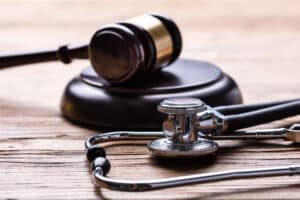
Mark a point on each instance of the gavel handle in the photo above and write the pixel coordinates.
(64, 53)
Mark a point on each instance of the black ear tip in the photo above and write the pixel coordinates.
(95, 152)
(174, 31)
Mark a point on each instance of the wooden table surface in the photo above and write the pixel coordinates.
(42, 155)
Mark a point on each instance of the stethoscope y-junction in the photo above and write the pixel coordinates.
(190, 130)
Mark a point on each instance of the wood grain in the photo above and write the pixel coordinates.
(42, 155)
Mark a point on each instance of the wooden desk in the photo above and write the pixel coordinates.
(42, 155)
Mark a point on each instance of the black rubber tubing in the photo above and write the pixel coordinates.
(244, 120)
(242, 108)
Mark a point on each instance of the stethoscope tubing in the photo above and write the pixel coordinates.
(266, 113)
(242, 108)
(139, 186)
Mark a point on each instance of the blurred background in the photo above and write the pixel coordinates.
(250, 40)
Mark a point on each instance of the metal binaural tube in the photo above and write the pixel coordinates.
(121, 135)
(135, 186)
(121, 185)
(253, 134)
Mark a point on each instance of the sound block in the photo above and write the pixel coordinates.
(90, 100)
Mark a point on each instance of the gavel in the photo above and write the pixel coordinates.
(124, 52)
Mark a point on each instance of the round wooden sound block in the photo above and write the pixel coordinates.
(90, 100)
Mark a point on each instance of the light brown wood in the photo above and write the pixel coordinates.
(42, 155)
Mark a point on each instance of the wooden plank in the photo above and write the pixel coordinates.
(42, 155)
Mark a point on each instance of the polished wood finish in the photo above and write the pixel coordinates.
(90, 101)
(42, 155)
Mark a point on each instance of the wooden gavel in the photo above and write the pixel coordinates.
(122, 52)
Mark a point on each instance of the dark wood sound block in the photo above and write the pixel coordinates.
(89, 100)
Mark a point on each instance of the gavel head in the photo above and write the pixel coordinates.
(131, 50)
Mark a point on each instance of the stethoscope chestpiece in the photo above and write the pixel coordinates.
(181, 131)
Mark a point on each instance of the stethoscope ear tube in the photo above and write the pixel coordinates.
(100, 167)
(260, 116)
(138, 186)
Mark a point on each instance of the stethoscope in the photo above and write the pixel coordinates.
(190, 130)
